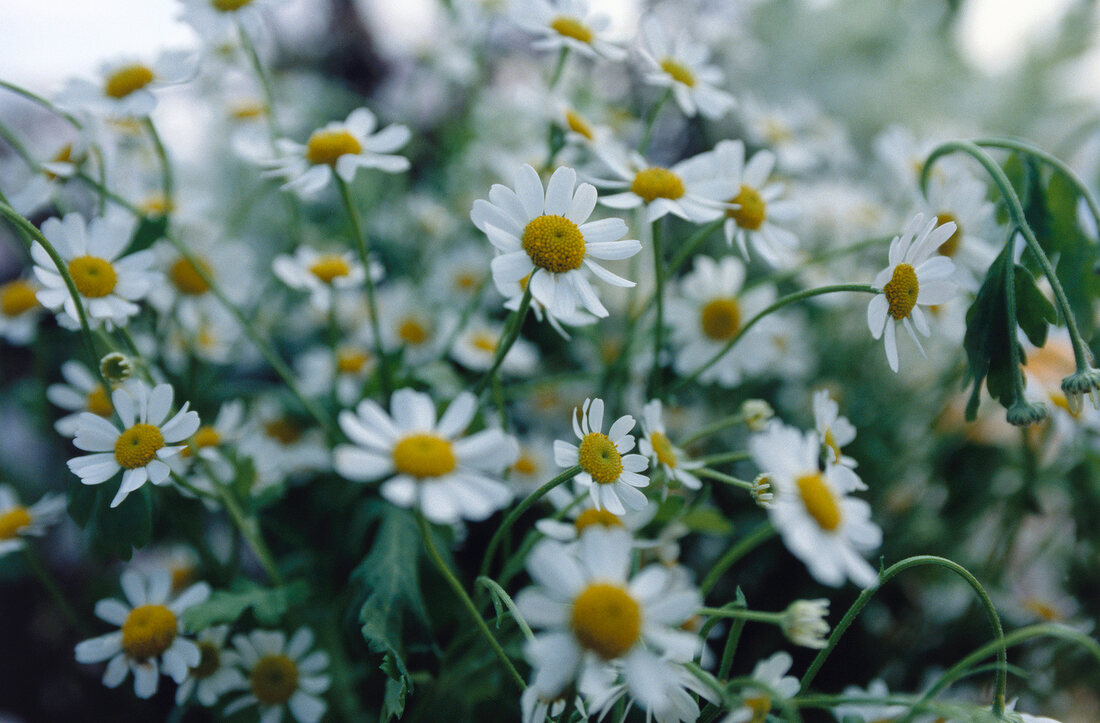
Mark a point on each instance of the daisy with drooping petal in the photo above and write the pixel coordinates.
(833, 430)
(322, 274)
(150, 636)
(81, 392)
(655, 444)
(19, 311)
(547, 236)
(427, 463)
(282, 675)
(567, 24)
(612, 476)
(820, 524)
(340, 148)
(681, 66)
(914, 277)
(142, 445)
(108, 285)
(216, 672)
(17, 521)
(125, 87)
(755, 703)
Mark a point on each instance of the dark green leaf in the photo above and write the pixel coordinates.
(708, 520)
(113, 532)
(268, 605)
(1034, 312)
(149, 230)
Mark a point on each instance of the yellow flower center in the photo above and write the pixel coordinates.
(578, 124)
(760, 705)
(525, 465)
(209, 662)
(148, 631)
(329, 267)
(424, 455)
(182, 576)
(466, 282)
(606, 620)
(138, 445)
(94, 277)
(274, 679)
(484, 342)
(13, 520)
(656, 182)
(157, 204)
(97, 402)
(819, 501)
(17, 297)
(1043, 610)
(207, 436)
(554, 243)
(830, 442)
(592, 516)
(65, 155)
(678, 71)
(951, 246)
(901, 291)
(600, 458)
(283, 431)
(721, 318)
(350, 360)
(411, 331)
(324, 147)
(663, 449)
(572, 28)
(186, 276)
(127, 80)
(247, 110)
(751, 211)
(228, 6)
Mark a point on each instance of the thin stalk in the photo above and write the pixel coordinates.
(46, 578)
(559, 67)
(651, 120)
(758, 616)
(20, 150)
(745, 545)
(250, 531)
(1010, 316)
(715, 428)
(511, 332)
(39, 100)
(693, 242)
(724, 457)
(265, 82)
(725, 478)
(655, 374)
(168, 183)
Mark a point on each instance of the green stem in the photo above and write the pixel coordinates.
(250, 530)
(724, 457)
(508, 337)
(725, 478)
(39, 100)
(655, 375)
(168, 184)
(499, 593)
(759, 616)
(724, 423)
(1010, 315)
(20, 150)
(426, 534)
(886, 576)
(513, 566)
(693, 242)
(265, 82)
(732, 639)
(651, 120)
(46, 578)
(784, 301)
(559, 67)
(750, 542)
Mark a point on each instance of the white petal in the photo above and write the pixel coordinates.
(559, 191)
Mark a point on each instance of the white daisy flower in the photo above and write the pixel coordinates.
(140, 447)
(17, 521)
(282, 675)
(216, 672)
(681, 66)
(833, 430)
(804, 623)
(108, 285)
(210, 440)
(343, 372)
(673, 701)
(820, 524)
(756, 704)
(869, 711)
(655, 444)
(534, 464)
(410, 322)
(228, 262)
(150, 636)
(585, 516)
(282, 446)
(594, 613)
(322, 274)
(961, 199)
(124, 89)
(458, 274)
(19, 311)
(802, 137)
(217, 20)
(914, 277)
(476, 347)
(427, 463)
(341, 148)
(550, 233)
(513, 293)
(611, 475)
(81, 393)
(568, 24)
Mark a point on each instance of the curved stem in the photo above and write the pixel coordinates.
(39, 100)
(508, 337)
(559, 67)
(1010, 315)
(656, 383)
(746, 544)
(168, 183)
(651, 120)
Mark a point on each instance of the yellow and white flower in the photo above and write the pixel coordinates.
(342, 372)
(913, 278)
(567, 24)
(18, 521)
(140, 447)
(612, 476)
(322, 274)
(281, 445)
(681, 66)
(548, 238)
(412, 323)
(692, 189)
(150, 638)
(426, 462)
(19, 311)
(216, 672)
(963, 200)
(217, 20)
(804, 623)
(833, 430)
(475, 347)
(656, 445)
(756, 703)
(282, 675)
(81, 393)
(125, 86)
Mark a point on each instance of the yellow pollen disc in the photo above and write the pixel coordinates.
(752, 211)
(578, 124)
(182, 576)
(186, 276)
(138, 445)
(412, 332)
(465, 282)
(663, 449)
(17, 297)
(830, 442)
(207, 436)
(350, 360)
(572, 28)
(656, 182)
(590, 517)
(127, 80)
(819, 501)
(283, 431)
(274, 679)
(485, 342)
(228, 6)
(329, 267)
(94, 277)
(721, 318)
(209, 662)
(525, 465)
(1044, 611)
(13, 520)
(324, 147)
(423, 455)
(157, 205)
(65, 155)
(760, 705)
(97, 402)
(148, 631)
(678, 71)
(554, 243)
(901, 291)
(951, 246)
(606, 620)
(247, 110)
(600, 458)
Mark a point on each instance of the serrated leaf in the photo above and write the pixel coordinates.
(268, 605)
(986, 339)
(1034, 312)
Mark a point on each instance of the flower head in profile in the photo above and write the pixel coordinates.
(125, 86)
(681, 66)
(545, 236)
(568, 24)
(913, 278)
(283, 675)
(426, 462)
(612, 476)
(693, 189)
(19, 311)
(804, 623)
(18, 521)
(150, 638)
(833, 430)
(322, 274)
(655, 445)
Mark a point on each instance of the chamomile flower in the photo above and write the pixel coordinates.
(913, 278)
(673, 701)
(655, 444)
(476, 347)
(681, 66)
(19, 311)
(411, 323)
(692, 189)
(804, 623)
(961, 199)
(282, 446)
(427, 463)
(869, 711)
(513, 293)
(82, 392)
(140, 447)
(215, 20)
(340, 148)
(216, 672)
(151, 633)
(282, 675)
(322, 274)
(209, 441)
(547, 236)
(612, 476)
(344, 371)
(568, 24)
(125, 86)
(107, 282)
(18, 521)
(833, 430)
(593, 613)
(756, 703)
(585, 517)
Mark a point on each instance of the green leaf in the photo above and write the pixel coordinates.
(268, 605)
(707, 520)
(1074, 256)
(112, 532)
(1034, 312)
(149, 230)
